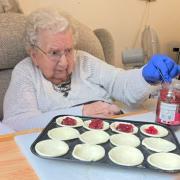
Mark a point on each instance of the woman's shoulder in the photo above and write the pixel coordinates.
(24, 65)
(27, 62)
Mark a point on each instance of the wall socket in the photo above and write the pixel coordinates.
(173, 50)
(176, 49)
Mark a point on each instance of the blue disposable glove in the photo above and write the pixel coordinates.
(160, 63)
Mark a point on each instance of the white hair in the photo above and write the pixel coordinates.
(43, 19)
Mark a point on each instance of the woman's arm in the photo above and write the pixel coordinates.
(128, 86)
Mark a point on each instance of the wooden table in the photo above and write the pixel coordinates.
(13, 165)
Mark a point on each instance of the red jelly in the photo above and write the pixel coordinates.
(168, 106)
(69, 121)
(151, 130)
(96, 124)
(125, 128)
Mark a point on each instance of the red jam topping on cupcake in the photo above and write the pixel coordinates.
(151, 130)
(69, 121)
(124, 127)
(96, 124)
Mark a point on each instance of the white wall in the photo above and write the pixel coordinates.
(121, 17)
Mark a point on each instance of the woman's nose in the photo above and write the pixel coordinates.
(63, 61)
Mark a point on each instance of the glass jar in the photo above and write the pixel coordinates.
(168, 105)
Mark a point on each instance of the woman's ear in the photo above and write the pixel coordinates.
(33, 56)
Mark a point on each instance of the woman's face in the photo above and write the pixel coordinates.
(54, 55)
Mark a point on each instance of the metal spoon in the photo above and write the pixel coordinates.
(164, 80)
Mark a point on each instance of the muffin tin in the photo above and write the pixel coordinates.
(107, 146)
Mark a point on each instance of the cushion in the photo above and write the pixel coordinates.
(11, 43)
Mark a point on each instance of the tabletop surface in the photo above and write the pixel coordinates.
(13, 165)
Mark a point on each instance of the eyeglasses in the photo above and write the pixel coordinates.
(56, 55)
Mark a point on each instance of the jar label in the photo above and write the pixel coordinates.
(167, 111)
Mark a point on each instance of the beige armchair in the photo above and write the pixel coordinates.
(98, 42)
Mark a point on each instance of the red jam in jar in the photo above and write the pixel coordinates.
(96, 124)
(69, 121)
(168, 106)
(124, 127)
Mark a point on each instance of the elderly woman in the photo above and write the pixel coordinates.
(57, 79)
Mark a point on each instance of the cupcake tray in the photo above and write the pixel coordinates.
(108, 146)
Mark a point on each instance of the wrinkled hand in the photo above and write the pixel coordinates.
(100, 109)
(165, 64)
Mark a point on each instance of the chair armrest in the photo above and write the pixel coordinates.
(107, 43)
